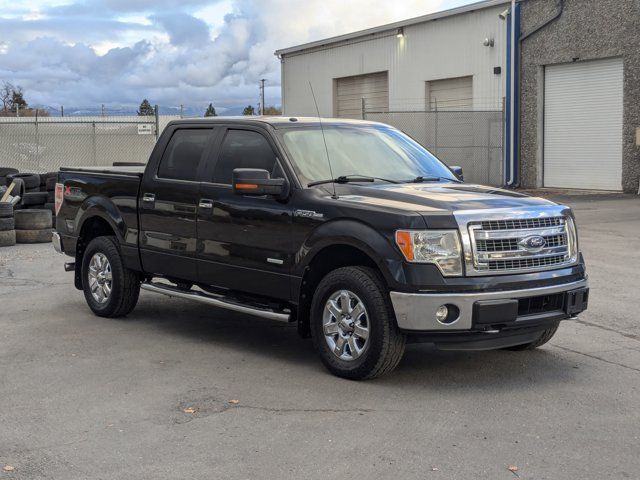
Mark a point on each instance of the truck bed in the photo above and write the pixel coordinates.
(128, 171)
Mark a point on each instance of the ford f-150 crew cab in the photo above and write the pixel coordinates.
(349, 228)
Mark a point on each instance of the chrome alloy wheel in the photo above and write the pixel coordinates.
(100, 278)
(345, 324)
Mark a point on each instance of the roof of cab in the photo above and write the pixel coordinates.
(277, 121)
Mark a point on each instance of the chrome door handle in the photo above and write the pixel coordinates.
(149, 198)
(205, 203)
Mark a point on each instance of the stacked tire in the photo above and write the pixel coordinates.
(33, 225)
(7, 225)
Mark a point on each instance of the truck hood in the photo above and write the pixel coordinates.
(430, 198)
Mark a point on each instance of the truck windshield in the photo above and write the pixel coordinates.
(375, 151)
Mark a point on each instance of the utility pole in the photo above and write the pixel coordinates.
(262, 96)
(181, 109)
(62, 110)
(103, 109)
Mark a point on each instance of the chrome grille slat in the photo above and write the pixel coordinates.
(523, 264)
(522, 223)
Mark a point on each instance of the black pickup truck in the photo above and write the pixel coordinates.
(350, 229)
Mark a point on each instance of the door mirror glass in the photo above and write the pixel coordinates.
(257, 182)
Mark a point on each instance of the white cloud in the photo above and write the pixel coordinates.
(119, 51)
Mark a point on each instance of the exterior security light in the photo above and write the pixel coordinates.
(400, 32)
(488, 42)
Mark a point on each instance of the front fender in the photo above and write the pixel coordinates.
(374, 243)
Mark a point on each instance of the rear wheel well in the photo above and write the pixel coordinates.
(92, 228)
(326, 260)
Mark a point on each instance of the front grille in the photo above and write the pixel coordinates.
(514, 245)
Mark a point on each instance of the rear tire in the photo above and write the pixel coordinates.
(545, 336)
(109, 291)
(365, 342)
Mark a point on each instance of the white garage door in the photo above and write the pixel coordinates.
(373, 87)
(583, 125)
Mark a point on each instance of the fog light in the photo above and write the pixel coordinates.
(441, 313)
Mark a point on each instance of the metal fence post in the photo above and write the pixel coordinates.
(37, 142)
(95, 152)
(155, 111)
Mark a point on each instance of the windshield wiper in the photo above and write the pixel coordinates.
(421, 179)
(349, 179)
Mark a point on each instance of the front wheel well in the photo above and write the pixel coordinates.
(92, 228)
(326, 260)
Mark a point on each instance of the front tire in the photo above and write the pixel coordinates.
(110, 289)
(544, 337)
(353, 326)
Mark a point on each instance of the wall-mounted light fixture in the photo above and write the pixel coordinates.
(400, 32)
(488, 42)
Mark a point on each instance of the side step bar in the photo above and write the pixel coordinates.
(216, 301)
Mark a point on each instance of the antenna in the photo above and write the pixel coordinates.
(326, 149)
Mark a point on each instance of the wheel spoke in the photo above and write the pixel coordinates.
(345, 302)
(339, 348)
(357, 311)
(353, 348)
(334, 309)
(361, 332)
(330, 328)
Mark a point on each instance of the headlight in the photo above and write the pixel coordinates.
(441, 247)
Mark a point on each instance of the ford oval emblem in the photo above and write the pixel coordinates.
(533, 243)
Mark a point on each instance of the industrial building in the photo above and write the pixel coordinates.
(447, 79)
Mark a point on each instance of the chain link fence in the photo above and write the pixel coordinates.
(44, 144)
(472, 140)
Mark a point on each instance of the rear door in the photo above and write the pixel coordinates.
(168, 202)
(244, 241)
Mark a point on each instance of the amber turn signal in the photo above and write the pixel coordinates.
(403, 240)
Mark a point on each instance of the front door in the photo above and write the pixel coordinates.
(244, 241)
(168, 203)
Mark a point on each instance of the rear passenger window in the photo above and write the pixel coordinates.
(182, 156)
(245, 149)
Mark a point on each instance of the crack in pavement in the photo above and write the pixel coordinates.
(609, 329)
(597, 358)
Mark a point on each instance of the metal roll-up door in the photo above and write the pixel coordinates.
(583, 125)
(450, 94)
(373, 87)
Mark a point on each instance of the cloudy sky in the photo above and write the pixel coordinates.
(89, 52)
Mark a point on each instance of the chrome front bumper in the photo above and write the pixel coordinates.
(57, 242)
(417, 311)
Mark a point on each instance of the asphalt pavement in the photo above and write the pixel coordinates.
(182, 391)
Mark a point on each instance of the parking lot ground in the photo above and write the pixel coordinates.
(83, 397)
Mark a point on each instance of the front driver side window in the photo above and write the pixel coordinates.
(245, 149)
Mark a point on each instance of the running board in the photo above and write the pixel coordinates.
(216, 301)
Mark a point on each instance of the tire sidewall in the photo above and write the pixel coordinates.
(101, 245)
(377, 316)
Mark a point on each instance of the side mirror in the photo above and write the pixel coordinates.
(258, 182)
(457, 171)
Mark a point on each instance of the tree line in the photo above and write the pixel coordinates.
(146, 109)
